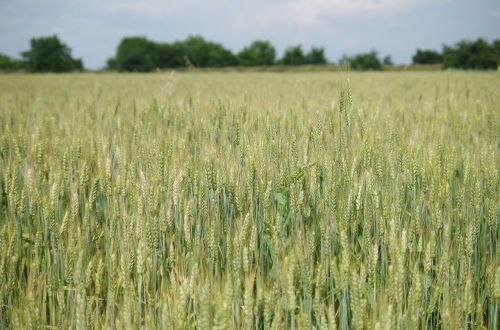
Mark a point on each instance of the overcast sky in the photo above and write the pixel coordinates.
(93, 28)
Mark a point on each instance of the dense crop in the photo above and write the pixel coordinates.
(263, 201)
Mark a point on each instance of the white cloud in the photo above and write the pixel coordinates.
(151, 8)
(301, 12)
(313, 12)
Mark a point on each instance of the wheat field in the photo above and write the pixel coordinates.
(250, 200)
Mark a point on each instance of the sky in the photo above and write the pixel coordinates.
(93, 28)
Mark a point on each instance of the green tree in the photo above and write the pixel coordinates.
(111, 63)
(7, 63)
(141, 54)
(208, 54)
(170, 55)
(260, 52)
(316, 56)
(364, 61)
(475, 55)
(427, 56)
(496, 44)
(134, 54)
(388, 60)
(294, 56)
(49, 54)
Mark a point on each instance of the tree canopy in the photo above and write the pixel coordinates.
(49, 54)
(476, 55)
(8, 63)
(260, 52)
(363, 61)
(135, 54)
(141, 54)
(316, 56)
(427, 56)
(466, 54)
(388, 60)
(207, 54)
(294, 55)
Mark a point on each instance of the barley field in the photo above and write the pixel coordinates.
(250, 200)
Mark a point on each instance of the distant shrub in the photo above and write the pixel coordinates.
(9, 64)
(388, 60)
(427, 56)
(364, 61)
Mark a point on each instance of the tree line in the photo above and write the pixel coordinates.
(138, 54)
(141, 54)
(476, 54)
